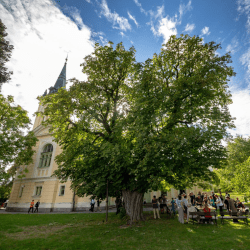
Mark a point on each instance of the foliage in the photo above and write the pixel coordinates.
(5, 54)
(14, 146)
(135, 125)
(122, 213)
(234, 176)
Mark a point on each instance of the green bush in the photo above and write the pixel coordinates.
(122, 212)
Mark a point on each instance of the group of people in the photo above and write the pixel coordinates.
(182, 204)
(32, 206)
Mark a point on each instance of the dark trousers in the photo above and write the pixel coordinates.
(221, 208)
(36, 209)
(31, 208)
(92, 207)
(118, 210)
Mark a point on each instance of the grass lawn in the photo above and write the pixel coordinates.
(87, 231)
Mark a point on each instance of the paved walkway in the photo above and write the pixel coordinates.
(113, 210)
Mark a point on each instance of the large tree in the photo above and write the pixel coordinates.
(14, 145)
(133, 125)
(5, 54)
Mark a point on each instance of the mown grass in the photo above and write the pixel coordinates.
(88, 231)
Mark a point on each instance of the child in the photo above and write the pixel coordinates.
(173, 206)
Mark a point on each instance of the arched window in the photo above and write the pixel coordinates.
(46, 156)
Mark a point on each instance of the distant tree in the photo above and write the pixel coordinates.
(233, 176)
(135, 125)
(5, 54)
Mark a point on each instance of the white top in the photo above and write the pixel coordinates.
(185, 202)
(219, 202)
(178, 203)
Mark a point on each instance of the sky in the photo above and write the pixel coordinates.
(44, 32)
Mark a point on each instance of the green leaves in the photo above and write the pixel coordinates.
(14, 146)
(137, 125)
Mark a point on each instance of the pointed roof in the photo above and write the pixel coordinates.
(61, 80)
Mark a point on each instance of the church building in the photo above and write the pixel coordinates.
(39, 185)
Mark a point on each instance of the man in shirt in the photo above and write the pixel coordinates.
(198, 200)
(232, 208)
(31, 206)
(185, 206)
(192, 197)
(219, 203)
(155, 207)
(164, 203)
(37, 206)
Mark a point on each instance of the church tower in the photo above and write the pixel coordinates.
(38, 184)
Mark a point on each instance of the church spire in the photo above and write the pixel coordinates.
(61, 80)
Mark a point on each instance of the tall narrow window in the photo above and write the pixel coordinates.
(38, 191)
(46, 156)
(21, 191)
(62, 190)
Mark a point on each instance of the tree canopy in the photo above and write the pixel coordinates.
(234, 176)
(14, 145)
(5, 54)
(137, 124)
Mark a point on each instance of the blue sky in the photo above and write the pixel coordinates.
(43, 32)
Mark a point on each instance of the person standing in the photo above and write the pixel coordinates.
(226, 203)
(164, 202)
(98, 205)
(173, 205)
(92, 205)
(37, 206)
(31, 206)
(185, 204)
(232, 208)
(118, 203)
(155, 207)
(219, 203)
(192, 199)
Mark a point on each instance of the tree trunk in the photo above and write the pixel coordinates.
(133, 205)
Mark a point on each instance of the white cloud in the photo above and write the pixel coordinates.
(140, 6)
(114, 18)
(245, 61)
(234, 46)
(165, 25)
(184, 8)
(205, 31)
(167, 28)
(244, 8)
(241, 103)
(74, 13)
(189, 27)
(42, 36)
(133, 18)
(88, 1)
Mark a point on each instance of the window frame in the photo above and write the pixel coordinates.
(60, 189)
(46, 156)
(36, 189)
(21, 191)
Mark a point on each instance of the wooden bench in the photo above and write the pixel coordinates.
(233, 215)
(198, 216)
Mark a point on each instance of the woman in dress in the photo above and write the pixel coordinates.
(180, 207)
